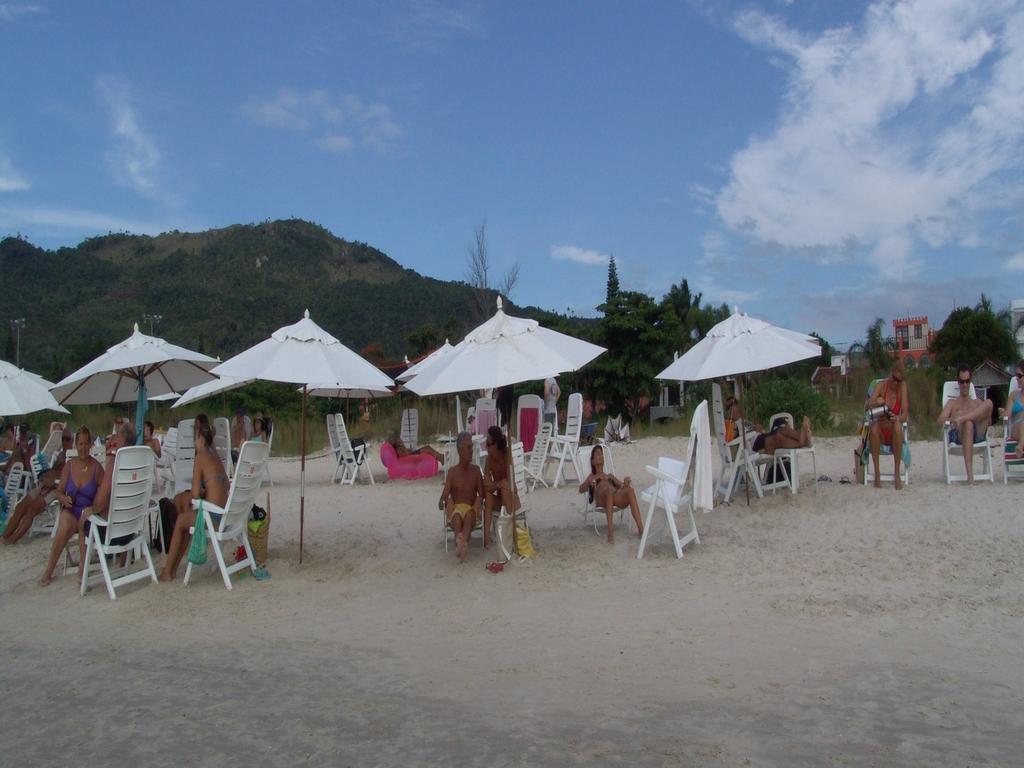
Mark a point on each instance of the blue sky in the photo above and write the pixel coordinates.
(816, 163)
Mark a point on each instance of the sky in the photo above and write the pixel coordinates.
(816, 164)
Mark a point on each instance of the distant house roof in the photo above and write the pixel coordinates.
(988, 374)
(830, 374)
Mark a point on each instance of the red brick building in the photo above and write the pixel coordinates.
(913, 337)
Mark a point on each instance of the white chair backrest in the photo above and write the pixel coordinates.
(184, 455)
(222, 441)
(540, 449)
(332, 432)
(525, 408)
(788, 417)
(574, 417)
(53, 445)
(718, 410)
(130, 491)
(486, 415)
(519, 469)
(458, 416)
(676, 468)
(12, 488)
(170, 445)
(410, 428)
(248, 477)
(344, 441)
(951, 391)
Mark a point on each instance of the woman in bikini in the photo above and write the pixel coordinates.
(79, 482)
(887, 429)
(210, 482)
(606, 490)
(36, 501)
(149, 439)
(498, 491)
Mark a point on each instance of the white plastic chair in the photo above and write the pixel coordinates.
(14, 487)
(184, 456)
(410, 428)
(233, 521)
(590, 508)
(351, 460)
(45, 523)
(332, 439)
(267, 479)
(122, 531)
(885, 450)
(669, 493)
(519, 480)
(567, 445)
(793, 454)
(529, 418)
(982, 448)
(486, 411)
(222, 442)
(539, 456)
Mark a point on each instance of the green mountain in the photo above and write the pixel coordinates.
(221, 291)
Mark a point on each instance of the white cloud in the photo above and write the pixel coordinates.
(426, 25)
(84, 221)
(891, 133)
(134, 158)
(10, 179)
(579, 255)
(11, 12)
(368, 124)
(1016, 262)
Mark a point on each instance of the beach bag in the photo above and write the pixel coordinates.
(197, 550)
(359, 448)
(524, 544)
(771, 476)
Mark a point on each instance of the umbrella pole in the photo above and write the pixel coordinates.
(743, 444)
(302, 476)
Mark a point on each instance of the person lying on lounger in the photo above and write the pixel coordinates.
(462, 494)
(779, 436)
(424, 450)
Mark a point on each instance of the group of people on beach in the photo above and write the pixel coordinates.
(82, 486)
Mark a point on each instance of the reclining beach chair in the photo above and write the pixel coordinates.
(589, 508)
(222, 442)
(884, 450)
(352, 459)
(1013, 468)
(539, 456)
(184, 456)
(122, 532)
(738, 463)
(45, 523)
(566, 446)
(792, 474)
(232, 523)
(981, 449)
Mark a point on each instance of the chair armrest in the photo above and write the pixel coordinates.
(97, 520)
(208, 506)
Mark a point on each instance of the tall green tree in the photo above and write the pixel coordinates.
(423, 339)
(876, 349)
(972, 335)
(613, 280)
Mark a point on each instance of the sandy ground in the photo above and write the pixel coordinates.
(850, 626)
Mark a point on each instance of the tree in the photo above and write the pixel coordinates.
(876, 350)
(971, 336)
(478, 273)
(638, 333)
(613, 280)
(423, 339)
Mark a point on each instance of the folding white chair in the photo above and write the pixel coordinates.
(738, 463)
(351, 459)
(529, 417)
(14, 487)
(232, 520)
(332, 439)
(539, 456)
(669, 493)
(410, 428)
(122, 532)
(165, 464)
(567, 445)
(590, 508)
(222, 442)
(519, 480)
(981, 449)
(45, 523)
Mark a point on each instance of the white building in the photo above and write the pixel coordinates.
(1017, 321)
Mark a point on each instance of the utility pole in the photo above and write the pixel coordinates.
(17, 325)
(152, 319)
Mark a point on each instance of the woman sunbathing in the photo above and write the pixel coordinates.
(606, 490)
(498, 490)
(779, 436)
(210, 482)
(77, 488)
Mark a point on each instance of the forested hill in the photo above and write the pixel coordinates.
(220, 291)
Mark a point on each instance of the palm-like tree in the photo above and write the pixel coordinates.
(876, 350)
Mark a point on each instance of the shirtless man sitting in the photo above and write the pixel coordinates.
(462, 494)
(969, 418)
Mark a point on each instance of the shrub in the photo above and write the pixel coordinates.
(790, 395)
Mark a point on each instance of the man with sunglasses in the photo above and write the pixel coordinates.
(970, 418)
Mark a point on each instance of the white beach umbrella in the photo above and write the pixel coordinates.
(503, 350)
(210, 388)
(136, 368)
(741, 344)
(342, 392)
(437, 354)
(304, 353)
(23, 392)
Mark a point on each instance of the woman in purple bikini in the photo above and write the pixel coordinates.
(76, 489)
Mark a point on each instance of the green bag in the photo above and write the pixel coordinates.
(197, 550)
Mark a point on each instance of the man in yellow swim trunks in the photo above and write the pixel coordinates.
(462, 494)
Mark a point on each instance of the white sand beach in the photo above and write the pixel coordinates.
(844, 626)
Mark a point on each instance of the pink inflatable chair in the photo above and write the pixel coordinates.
(407, 467)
